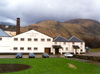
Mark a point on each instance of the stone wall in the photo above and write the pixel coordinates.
(93, 58)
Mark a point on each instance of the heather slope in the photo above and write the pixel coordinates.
(76, 27)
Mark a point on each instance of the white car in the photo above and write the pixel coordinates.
(68, 55)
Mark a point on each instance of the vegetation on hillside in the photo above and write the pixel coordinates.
(92, 42)
(76, 27)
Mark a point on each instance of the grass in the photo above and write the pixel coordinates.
(52, 66)
(94, 49)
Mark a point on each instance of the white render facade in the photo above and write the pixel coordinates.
(36, 42)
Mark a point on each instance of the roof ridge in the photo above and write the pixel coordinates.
(60, 38)
(56, 37)
(71, 38)
(78, 38)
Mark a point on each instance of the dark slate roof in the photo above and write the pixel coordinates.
(75, 39)
(3, 34)
(60, 39)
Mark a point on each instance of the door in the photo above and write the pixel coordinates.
(47, 50)
(56, 50)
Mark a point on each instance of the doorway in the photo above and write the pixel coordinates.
(56, 50)
(47, 50)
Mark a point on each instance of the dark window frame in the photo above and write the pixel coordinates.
(29, 48)
(29, 39)
(15, 48)
(15, 39)
(42, 39)
(64, 43)
(35, 39)
(22, 39)
(0, 39)
(35, 48)
(66, 48)
(55, 42)
(48, 39)
(21, 48)
(81, 43)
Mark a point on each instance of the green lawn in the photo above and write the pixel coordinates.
(52, 66)
(94, 49)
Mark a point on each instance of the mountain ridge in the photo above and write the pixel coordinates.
(76, 27)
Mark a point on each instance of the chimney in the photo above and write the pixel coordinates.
(18, 26)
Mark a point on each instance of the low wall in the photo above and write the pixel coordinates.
(93, 58)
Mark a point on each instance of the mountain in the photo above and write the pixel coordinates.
(6, 26)
(82, 27)
(50, 27)
(76, 27)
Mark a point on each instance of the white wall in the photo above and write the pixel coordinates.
(5, 44)
(80, 44)
(31, 34)
(64, 45)
(69, 45)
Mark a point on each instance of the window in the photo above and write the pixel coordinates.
(15, 39)
(73, 42)
(81, 50)
(48, 39)
(81, 43)
(35, 48)
(42, 39)
(22, 39)
(35, 39)
(29, 48)
(64, 42)
(15, 48)
(66, 48)
(55, 42)
(29, 39)
(0, 39)
(21, 48)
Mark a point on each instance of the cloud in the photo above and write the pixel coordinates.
(32, 11)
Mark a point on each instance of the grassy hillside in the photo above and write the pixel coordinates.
(76, 27)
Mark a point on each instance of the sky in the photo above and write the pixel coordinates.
(33, 11)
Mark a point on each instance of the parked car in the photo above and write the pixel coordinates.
(18, 55)
(31, 55)
(45, 55)
(68, 55)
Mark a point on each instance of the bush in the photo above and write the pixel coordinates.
(92, 42)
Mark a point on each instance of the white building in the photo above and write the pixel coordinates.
(36, 42)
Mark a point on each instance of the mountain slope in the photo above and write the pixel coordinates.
(50, 28)
(76, 27)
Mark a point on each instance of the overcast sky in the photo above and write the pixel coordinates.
(32, 11)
